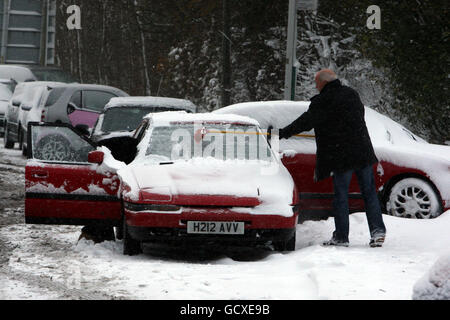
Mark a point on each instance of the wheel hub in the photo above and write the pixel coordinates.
(412, 206)
(412, 202)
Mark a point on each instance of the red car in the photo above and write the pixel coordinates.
(412, 177)
(199, 178)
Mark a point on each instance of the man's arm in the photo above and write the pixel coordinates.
(302, 123)
(306, 121)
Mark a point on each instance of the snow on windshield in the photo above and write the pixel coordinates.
(219, 141)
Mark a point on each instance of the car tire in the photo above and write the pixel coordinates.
(20, 137)
(24, 150)
(131, 247)
(53, 148)
(9, 144)
(119, 232)
(288, 245)
(413, 198)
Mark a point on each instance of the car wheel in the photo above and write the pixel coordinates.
(119, 232)
(53, 148)
(288, 245)
(20, 137)
(9, 144)
(413, 198)
(131, 247)
(24, 150)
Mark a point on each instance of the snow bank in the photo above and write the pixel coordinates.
(435, 285)
(149, 101)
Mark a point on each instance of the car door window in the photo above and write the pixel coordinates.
(76, 99)
(96, 100)
(59, 144)
(139, 133)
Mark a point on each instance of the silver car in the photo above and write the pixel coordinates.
(74, 104)
(26, 94)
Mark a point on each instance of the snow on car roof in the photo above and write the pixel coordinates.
(281, 113)
(18, 73)
(161, 102)
(276, 113)
(166, 118)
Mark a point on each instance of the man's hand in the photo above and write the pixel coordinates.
(269, 133)
(282, 134)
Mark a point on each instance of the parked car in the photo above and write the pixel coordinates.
(412, 177)
(26, 94)
(121, 116)
(75, 104)
(10, 83)
(171, 190)
(5, 96)
(27, 73)
(78, 103)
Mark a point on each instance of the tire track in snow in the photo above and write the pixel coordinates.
(47, 283)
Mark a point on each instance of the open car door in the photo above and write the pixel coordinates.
(61, 185)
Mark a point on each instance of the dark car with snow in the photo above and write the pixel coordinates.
(122, 115)
(412, 176)
(27, 73)
(200, 178)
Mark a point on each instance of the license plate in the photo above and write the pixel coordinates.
(215, 227)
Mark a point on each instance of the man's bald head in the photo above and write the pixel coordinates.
(323, 77)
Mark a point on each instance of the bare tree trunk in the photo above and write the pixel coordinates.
(144, 55)
(102, 49)
(226, 56)
(80, 53)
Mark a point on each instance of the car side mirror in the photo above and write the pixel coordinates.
(71, 107)
(83, 129)
(25, 107)
(96, 157)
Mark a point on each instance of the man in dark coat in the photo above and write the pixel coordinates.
(343, 147)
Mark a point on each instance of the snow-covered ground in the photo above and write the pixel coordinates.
(48, 262)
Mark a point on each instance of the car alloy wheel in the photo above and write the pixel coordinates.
(413, 198)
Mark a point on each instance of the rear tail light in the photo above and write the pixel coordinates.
(43, 115)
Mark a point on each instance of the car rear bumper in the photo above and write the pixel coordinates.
(259, 229)
(180, 235)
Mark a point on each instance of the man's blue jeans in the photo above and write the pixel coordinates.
(366, 181)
